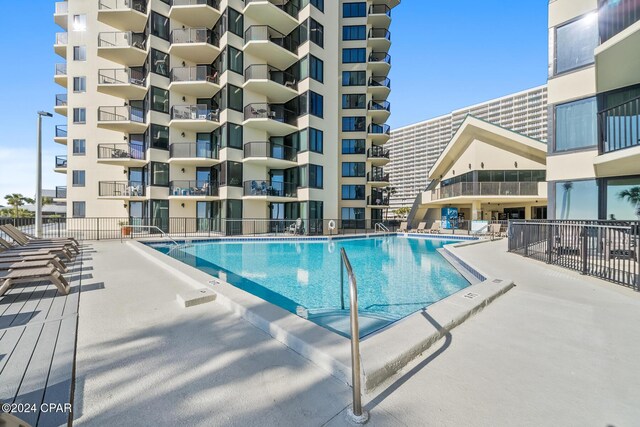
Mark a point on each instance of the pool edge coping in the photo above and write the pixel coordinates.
(329, 350)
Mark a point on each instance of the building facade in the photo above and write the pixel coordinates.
(593, 166)
(414, 149)
(223, 109)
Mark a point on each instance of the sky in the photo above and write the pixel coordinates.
(445, 55)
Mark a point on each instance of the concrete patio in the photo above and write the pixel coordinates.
(558, 349)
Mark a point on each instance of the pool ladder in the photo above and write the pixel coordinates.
(355, 412)
(380, 226)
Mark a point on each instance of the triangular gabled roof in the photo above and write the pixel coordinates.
(473, 128)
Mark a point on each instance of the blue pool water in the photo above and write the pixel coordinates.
(396, 276)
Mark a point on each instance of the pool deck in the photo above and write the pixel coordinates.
(558, 349)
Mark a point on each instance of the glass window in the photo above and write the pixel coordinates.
(354, 78)
(159, 137)
(160, 214)
(159, 174)
(576, 125)
(354, 124)
(234, 139)
(235, 97)
(79, 209)
(353, 169)
(354, 100)
(316, 138)
(80, 22)
(78, 178)
(79, 115)
(159, 26)
(79, 53)
(79, 84)
(79, 147)
(159, 100)
(354, 55)
(354, 32)
(235, 22)
(315, 176)
(159, 62)
(316, 104)
(236, 60)
(353, 146)
(577, 199)
(623, 198)
(353, 192)
(576, 42)
(317, 69)
(317, 32)
(354, 10)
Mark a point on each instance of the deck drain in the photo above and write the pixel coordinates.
(470, 295)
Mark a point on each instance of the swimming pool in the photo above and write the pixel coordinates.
(396, 276)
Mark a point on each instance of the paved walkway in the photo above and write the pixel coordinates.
(559, 349)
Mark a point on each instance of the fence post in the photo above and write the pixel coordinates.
(525, 238)
(97, 228)
(58, 223)
(550, 242)
(585, 247)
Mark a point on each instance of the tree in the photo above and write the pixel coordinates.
(632, 195)
(402, 212)
(390, 192)
(46, 200)
(17, 200)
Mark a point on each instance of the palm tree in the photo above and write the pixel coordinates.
(390, 192)
(632, 195)
(566, 200)
(17, 200)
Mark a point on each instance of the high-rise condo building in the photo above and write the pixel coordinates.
(593, 164)
(224, 109)
(414, 149)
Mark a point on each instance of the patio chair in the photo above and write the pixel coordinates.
(15, 265)
(254, 188)
(22, 240)
(53, 259)
(35, 250)
(263, 188)
(403, 227)
(435, 228)
(297, 227)
(421, 227)
(32, 237)
(29, 275)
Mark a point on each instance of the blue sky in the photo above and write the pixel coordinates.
(445, 55)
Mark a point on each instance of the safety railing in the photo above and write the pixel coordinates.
(194, 35)
(138, 5)
(121, 189)
(288, 6)
(213, 3)
(264, 33)
(62, 38)
(193, 150)
(380, 57)
(121, 151)
(270, 188)
(376, 81)
(199, 73)
(61, 68)
(61, 100)
(379, 33)
(460, 189)
(122, 39)
(379, 9)
(134, 76)
(61, 192)
(61, 131)
(121, 114)
(620, 126)
(267, 72)
(193, 188)
(270, 150)
(194, 112)
(615, 16)
(379, 129)
(608, 250)
(277, 112)
(61, 162)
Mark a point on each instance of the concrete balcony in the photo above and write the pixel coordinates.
(378, 200)
(195, 13)
(379, 87)
(201, 81)
(276, 85)
(379, 39)
(618, 61)
(61, 164)
(126, 83)
(61, 14)
(193, 154)
(377, 178)
(378, 156)
(61, 194)
(60, 46)
(126, 119)
(60, 76)
(198, 45)
(195, 118)
(379, 16)
(281, 15)
(495, 191)
(379, 111)
(193, 190)
(126, 48)
(379, 63)
(379, 134)
(275, 119)
(60, 135)
(121, 190)
(127, 155)
(125, 15)
(61, 106)
(270, 45)
(270, 191)
(273, 156)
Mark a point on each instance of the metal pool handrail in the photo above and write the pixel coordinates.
(356, 412)
(150, 227)
(381, 226)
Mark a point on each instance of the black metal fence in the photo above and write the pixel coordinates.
(609, 250)
(177, 228)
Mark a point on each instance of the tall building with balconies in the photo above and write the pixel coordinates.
(224, 109)
(593, 165)
(414, 149)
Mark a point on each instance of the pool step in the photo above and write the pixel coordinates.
(338, 320)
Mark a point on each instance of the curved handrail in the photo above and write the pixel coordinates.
(150, 227)
(356, 409)
(381, 226)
